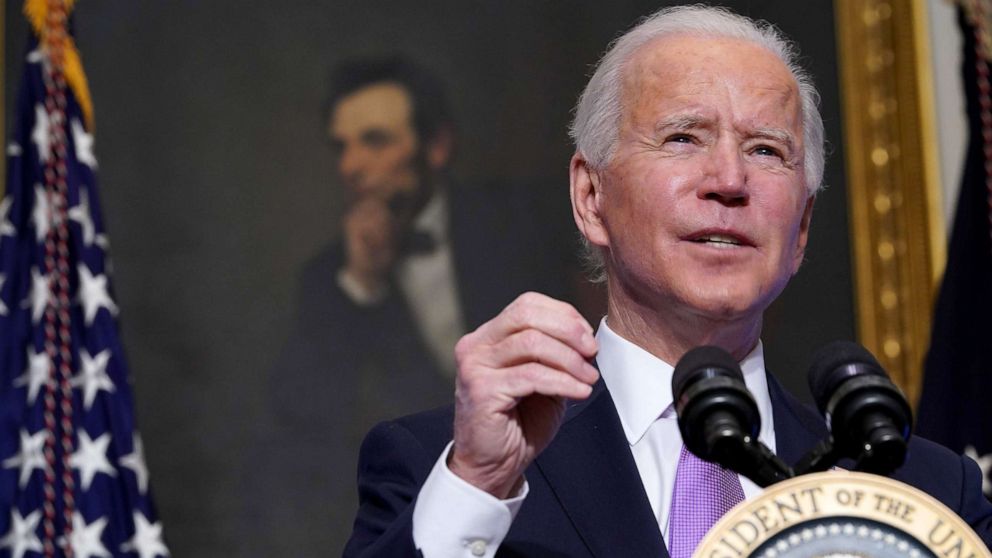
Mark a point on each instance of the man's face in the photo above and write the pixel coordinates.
(376, 144)
(704, 209)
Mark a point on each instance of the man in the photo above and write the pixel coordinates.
(699, 154)
(421, 260)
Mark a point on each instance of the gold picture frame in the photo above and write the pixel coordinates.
(897, 236)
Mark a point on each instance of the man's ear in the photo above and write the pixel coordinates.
(440, 148)
(803, 233)
(586, 189)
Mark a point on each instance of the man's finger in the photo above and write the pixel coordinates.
(532, 345)
(533, 378)
(543, 313)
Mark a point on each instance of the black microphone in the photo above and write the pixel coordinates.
(718, 417)
(868, 417)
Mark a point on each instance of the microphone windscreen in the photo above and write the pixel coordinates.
(703, 362)
(835, 363)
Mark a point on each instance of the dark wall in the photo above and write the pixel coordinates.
(217, 184)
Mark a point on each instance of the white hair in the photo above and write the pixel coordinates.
(596, 126)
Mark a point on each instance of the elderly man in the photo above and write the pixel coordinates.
(699, 154)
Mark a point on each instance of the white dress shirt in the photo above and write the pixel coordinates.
(641, 386)
(429, 285)
(452, 518)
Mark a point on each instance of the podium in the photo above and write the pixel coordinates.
(840, 514)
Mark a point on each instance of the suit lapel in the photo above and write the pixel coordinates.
(797, 427)
(478, 255)
(461, 241)
(592, 473)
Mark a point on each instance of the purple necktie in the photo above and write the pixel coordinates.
(704, 491)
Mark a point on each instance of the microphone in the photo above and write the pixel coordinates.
(868, 417)
(718, 417)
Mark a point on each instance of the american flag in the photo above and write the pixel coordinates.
(954, 406)
(73, 479)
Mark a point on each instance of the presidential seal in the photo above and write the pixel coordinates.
(841, 514)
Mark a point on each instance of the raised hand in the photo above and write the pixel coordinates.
(514, 375)
(371, 241)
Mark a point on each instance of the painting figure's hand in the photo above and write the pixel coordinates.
(371, 242)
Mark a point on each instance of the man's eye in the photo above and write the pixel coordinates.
(680, 138)
(766, 151)
(376, 139)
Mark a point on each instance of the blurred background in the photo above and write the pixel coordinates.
(219, 183)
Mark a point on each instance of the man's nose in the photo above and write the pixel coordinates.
(726, 177)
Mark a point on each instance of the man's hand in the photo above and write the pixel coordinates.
(371, 233)
(514, 374)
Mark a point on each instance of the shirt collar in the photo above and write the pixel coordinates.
(641, 384)
(433, 218)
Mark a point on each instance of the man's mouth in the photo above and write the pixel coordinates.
(720, 240)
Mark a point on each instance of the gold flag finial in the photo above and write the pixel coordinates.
(48, 18)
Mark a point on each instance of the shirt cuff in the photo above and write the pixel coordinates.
(453, 519)
(358, 293)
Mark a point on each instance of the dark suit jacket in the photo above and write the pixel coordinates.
(586, 497)
(345, 367)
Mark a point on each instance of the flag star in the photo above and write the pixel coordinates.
(3, 307)
(104, 243)
(36, 375)
(40, 134)
(14, 149)
(40, 214)
(136, 462)
(91, 458)
(93, 294)
(85, 539)
(84, 144)
(6, 227)
(985, 464)
(39, 295)
(147, 539)
(22, 537)
(31, 456)
(93, 376)
(81, 214)
(35, 56)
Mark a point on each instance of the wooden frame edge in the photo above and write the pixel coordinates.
(893, 185)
